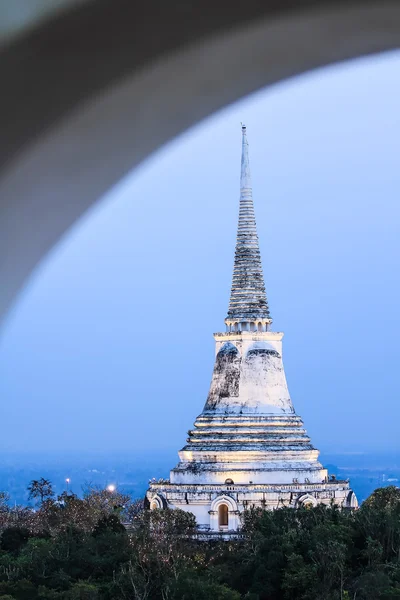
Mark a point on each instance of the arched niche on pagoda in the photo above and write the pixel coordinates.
(307, 501)
(351, 500)
(158, 502)
(224, 514)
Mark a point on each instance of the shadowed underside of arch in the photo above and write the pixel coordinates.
(127, 77)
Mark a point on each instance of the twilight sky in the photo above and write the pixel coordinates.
(110, 346)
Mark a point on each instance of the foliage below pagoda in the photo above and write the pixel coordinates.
(103, 547)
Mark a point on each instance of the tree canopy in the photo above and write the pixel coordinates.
(104, 547)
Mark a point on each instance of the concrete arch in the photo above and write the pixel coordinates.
(233, 514)
(306, 500)
(228, 348)
(351, 500)
(262, 349)
(158, 502)
(224, 499)
(106, 74)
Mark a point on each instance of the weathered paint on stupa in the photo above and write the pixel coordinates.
(248, 447)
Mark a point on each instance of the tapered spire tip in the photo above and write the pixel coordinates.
(248, 301)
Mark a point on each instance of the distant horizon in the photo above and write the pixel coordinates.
(131, 473)
(117, 455)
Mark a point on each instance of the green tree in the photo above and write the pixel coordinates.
(103, 502)
(14, 538)
(162, 546)
(4, 501)
(83, 591)
(23, 589)
(193, 587)
(383, 498)
(41, 490)
(45, 593)
(108, 524)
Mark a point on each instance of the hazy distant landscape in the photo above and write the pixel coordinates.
(132, 473)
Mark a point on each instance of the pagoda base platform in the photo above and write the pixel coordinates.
(218, 508)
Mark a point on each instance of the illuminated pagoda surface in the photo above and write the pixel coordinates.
(248, 447)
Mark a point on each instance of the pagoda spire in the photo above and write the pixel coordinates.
(248, 302)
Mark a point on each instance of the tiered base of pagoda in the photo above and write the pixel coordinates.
(255, 449)
(218, 508)
(235, 462)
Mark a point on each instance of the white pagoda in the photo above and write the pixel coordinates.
(248, 448)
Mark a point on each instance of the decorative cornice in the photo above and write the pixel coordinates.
(256, 336)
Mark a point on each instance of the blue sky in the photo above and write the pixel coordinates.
(110, 346)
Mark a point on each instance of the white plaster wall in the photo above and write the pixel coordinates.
(262, 381)
(200, 511)
(267, 475)
(244, 339)
(203, 500)
(263, 388)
